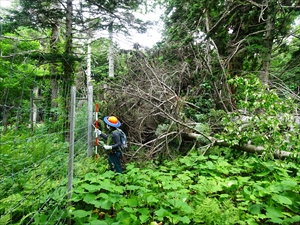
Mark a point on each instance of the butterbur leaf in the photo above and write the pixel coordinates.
(133, 217)
(275, 220)
(185, 220)
(98, 222)
(294, 219)
(96, 203)
(106, 185)
(161, 213)
(104, 204)
(118, 189)
(151, 199)
(133, 202)
(90, 177)
(144, 218)
(274, 212)
(289, 184)
(210, 165)
(183, 206)
(81, 213)
(255, 209)
(88, 198)
(114, 197)
(282, 200)
(262, 174)
(76, 197)
(213, 157)
(121, 215)
(103, 195)
(108, 174)
(129, 210)
(144, 211)
(80, 190)
(132, 187)
(90, 187)
(184, 177)
(251, 221)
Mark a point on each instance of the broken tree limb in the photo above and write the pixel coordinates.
(246, 147)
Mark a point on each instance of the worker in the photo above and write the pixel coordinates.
(113, 144)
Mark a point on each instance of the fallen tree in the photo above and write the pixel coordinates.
(165, 111)
(279, 154)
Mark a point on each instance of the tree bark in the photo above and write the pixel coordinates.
(268, 45)
(246, 147)
(68, 66)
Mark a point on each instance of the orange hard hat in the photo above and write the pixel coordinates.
(112, 121)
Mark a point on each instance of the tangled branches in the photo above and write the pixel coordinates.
(152, 100)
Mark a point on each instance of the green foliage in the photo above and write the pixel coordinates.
(99, 61)
(191, 190)
(194, 189)
(269, 120)
(16, 78)
(32, 168)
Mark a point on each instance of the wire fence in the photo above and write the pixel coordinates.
(37, 171)
(38, 152)
(41, 150)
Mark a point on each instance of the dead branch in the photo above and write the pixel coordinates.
(279, 154)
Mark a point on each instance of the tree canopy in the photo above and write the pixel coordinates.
(210, 112)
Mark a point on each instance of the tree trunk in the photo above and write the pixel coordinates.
(268, 45)
(247, 147)
(111, 51)
(68, 68)
(5, 119)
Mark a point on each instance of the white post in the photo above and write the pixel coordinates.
(111, 51)
(88, 72)
(35, 110)
(90, 119)
(71, 150)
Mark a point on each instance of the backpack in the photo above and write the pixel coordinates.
(123, 139)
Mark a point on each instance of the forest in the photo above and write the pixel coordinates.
(210, 112)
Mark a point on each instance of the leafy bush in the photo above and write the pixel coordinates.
(34, 165)
(191, 190)
(264, 118)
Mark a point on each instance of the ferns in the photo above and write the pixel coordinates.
(213, 212)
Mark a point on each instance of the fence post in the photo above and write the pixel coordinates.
(90, 119)
(71, 150)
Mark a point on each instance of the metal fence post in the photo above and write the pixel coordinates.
(71, 150)
(90, 119)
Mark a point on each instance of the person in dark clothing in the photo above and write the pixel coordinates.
(113, 144)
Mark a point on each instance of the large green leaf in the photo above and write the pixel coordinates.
(273, 212)
(98, 222)
(145, 214)
(255, 209)
(282, 199)
(91, 187)
(104, 204)
(289, 184)
(88, 198)
(81, 213)
(133, 201)
(152, 199)
(161, 213)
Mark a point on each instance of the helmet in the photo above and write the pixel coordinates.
(112, 121)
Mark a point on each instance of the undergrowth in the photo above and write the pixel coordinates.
(221, 188)
(194, 189)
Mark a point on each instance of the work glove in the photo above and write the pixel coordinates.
(107, 147)
(97, 131)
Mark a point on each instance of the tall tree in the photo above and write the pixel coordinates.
(56, 19)
(17, 74)
(242, 34)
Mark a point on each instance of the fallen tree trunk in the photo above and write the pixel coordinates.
(246, 147)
